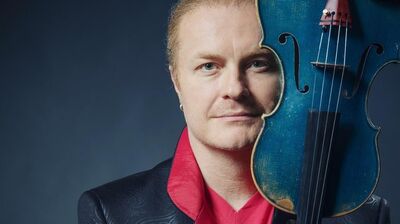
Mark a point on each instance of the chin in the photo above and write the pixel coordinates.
(232, 147)
(235, 140)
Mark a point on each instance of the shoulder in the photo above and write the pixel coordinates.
(136, 183)
(129, 198)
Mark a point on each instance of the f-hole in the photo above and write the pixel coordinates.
(283, 40)
(361, 67)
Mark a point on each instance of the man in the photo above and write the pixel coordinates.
(224, 82)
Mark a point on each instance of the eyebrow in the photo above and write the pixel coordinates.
(261, 52)
(209, 56)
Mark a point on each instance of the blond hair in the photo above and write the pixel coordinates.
(183, 7)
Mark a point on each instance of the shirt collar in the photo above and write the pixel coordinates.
(185, 184)
(190, 194)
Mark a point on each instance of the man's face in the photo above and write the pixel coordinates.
(224, 80)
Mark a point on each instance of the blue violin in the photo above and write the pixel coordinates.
(317, 153)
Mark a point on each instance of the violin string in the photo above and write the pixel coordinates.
(340, 89)
(319, 112)
(312, 106)
(327, 117)
(317, 61)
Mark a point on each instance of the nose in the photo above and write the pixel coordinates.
(234, 85)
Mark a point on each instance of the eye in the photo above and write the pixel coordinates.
(208, 67)
(259, 66)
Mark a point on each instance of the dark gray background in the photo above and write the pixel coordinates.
(85, 98)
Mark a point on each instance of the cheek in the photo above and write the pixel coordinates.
(197, 95)
(267, 90)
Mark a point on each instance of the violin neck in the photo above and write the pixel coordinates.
(318, 147)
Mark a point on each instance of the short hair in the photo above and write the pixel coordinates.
(181, 8)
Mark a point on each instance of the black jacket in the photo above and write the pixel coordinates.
(142, 199)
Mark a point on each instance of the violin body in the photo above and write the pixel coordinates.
(326, 75)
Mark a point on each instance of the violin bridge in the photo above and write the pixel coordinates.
(329, 65)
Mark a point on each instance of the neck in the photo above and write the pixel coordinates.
(227, 172)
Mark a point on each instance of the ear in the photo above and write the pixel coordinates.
(175, 81)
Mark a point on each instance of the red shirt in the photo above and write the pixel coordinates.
(190, 194)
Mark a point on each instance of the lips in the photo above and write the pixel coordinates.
(238, 116)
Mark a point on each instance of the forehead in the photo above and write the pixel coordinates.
(232, 29)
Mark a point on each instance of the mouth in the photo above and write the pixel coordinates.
(241, 116)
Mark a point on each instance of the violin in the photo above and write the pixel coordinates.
(316, 155)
